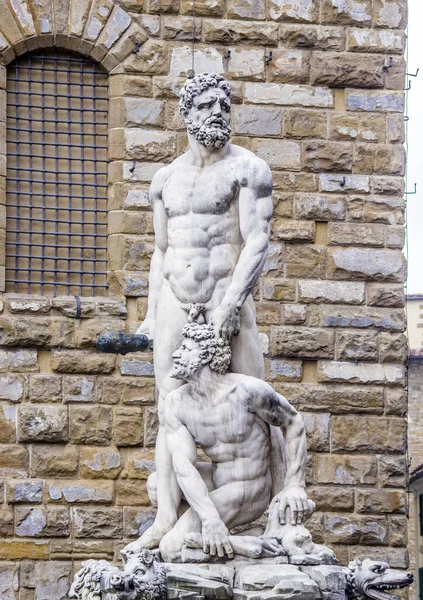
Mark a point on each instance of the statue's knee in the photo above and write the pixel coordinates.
(152, 488)
(169, 548)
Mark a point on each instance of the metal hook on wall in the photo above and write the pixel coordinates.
(413, 74)
(411, 193)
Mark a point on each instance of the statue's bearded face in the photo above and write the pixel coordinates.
(208, 119)
(187, 360)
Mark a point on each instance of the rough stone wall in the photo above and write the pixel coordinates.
(318, 93)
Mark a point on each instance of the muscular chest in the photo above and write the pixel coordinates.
(199, 191)
(224, 423)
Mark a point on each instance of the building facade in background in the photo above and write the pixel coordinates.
(318, 94)
(415, 435)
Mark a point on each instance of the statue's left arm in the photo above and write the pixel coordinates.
(275, 410)
(255, 212)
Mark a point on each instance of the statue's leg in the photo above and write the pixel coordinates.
(170, 319)
(237, 503)
(247, 358)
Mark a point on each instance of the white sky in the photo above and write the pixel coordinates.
(415, 149)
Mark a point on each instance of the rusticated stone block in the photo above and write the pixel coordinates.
(9, 581)
(25, 303)
(7, 423)
(359, 127)
(379, 501)
(131, 492)
(393, 347)
(301, 11)
(81, 492)
(246, 9)
(11, 387)
(42, 521)
(387, 185)
(257, 120)
(89, 425)
(398, 531)
(395, 237)
(151, 425)
(356, 530)
(367, 264)
(319, 207)
(288, 95)
(357, 345)
(327, 156)
(302, 342)
(129, 85)
(246, 63)
(363, 317)
(345, 372)
(128, 427)
(19, 549)
(67, 306)
(357, 234)
(141, 464)
(287, 370)
(6, 523)
(299, 123)
(317, 431)
(309, 36)
(372, 40)
(305, 261)
(100, 463)
(293, 314)
(14, 461)
(332, 499)
(82, 361)
(54, 461)
(45, 388)
(24, 491)
(392, 471)
(289, 230)
(43, 423)
(345, 470)
(278, 289)
(376, 209)
(368, 434)
(207, 60)
(230, 32)
(347, 70)
(52, 579)
(141, 144)
(279, 154)
(204, 8)
(390, 13)
(181, 29)
(380, 101)
(79, 389)
(332, 398)
(136, 521)
(350, 12)
(97, 523)
(152, 59)
(290, 66)
(332, 292)
(396, 402)
(17, 360)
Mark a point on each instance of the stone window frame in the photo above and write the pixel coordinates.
(120, 36)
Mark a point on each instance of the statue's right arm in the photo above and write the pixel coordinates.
(155, 278)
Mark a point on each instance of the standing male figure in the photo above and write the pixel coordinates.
(212, 208)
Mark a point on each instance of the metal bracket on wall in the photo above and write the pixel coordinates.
(411, 193)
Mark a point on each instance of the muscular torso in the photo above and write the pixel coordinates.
(204, 239)
(228, 432)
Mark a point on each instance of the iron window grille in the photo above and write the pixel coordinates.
(56, 188)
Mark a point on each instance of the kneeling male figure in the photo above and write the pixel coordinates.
(228, 415)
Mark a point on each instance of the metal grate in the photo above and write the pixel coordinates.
(56, 202)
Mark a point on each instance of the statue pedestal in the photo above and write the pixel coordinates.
(256, 580)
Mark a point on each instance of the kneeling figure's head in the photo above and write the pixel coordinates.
(199, 348)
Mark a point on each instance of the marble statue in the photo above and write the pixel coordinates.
(142, 578)
(229, 485)
(212, 208)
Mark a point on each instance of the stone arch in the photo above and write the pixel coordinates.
(101, 29)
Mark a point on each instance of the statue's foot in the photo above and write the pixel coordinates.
(149, 540)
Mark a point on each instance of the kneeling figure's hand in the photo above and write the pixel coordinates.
(296, 499)
(216, 538)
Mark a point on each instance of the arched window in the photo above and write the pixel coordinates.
(56, 190)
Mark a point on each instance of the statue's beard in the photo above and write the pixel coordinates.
(185, 372)
(210, 137)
